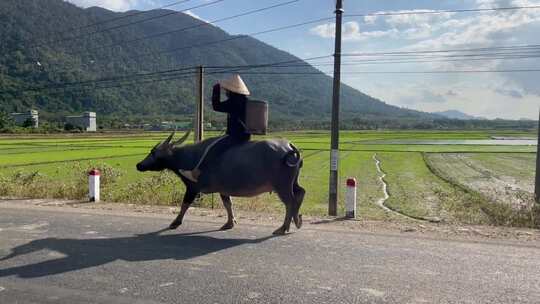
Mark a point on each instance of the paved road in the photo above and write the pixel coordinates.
(64, 257)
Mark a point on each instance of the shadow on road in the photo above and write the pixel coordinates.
(87, 253)
(328, 221)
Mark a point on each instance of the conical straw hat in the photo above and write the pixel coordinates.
(235, 84)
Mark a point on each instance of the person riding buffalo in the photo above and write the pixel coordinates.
(236, 134)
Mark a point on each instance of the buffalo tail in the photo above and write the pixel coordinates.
(293, 158)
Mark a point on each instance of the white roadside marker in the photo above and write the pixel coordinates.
(350, 203)
(93, 184)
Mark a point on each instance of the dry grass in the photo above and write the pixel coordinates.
(524, 214)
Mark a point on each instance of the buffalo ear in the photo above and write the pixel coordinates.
(183, 139)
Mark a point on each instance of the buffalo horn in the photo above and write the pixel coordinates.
(183, 139)
(168, 140)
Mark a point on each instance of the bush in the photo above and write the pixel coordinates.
(29, 123)
(5, 121)
(35, 184)
(72, 128)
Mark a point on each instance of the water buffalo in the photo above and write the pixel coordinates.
(246, 170)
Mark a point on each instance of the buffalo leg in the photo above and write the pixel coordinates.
(189, 197)
(285, 188)
(299, 194)
(287, 223)
(227, 203)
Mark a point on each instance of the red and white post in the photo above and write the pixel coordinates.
(93, 185)
(350, 199)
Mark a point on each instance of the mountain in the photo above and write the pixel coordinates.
(455, 114)
(44, 47)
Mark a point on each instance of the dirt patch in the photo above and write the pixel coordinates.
(484, 175)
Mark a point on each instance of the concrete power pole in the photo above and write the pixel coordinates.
(537, 180)
(199, 115)
(334, 149)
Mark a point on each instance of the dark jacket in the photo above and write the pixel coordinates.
(235, 107)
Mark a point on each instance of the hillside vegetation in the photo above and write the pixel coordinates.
(39, 49)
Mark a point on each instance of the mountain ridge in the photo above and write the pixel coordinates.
(77, 60)
(456, 114)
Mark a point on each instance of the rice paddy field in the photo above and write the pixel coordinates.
(469, 177)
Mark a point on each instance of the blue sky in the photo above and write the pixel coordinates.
(491, 95)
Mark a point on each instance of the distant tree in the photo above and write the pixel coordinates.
(5, 121)
(29, 123)
(72, 128)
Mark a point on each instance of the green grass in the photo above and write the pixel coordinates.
(515, 165)
(417, 192)
(56, 165)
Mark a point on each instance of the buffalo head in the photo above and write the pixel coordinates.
(157, 159)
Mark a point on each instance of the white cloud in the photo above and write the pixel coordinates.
(351, 31)
(114, 5)
(478, 95)
(480, 30)
(192, 14)
(509, 92)
(507, 95)
(413, 26)
(404, 19)
(441, 30)
(423, 97)
(370, 19)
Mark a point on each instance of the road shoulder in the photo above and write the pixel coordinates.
(399, 228)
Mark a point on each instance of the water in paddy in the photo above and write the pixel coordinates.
(491, 142)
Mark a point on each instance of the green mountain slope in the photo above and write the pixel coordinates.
(33, 54)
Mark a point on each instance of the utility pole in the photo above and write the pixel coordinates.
(334, 149)
(537, 181)
(199, 115)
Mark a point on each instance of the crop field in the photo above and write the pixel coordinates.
(463, 183)
(505, 178)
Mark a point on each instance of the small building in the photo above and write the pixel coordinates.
(31, 117)
(87, 121)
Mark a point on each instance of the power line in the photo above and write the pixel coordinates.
(137, 13)
(100, 86)
(453, 55)
(444, 11)
(132, 23)
(208, 43)
(520, 47)
(185, 75)
(295, 74)
(251, 66)
(286, 27)
(217, 1)
(391, 72)
(325, 19)
(507, 53)
(118, 85)
(448, 71)
(221, 40)
(421, 60)
(426, 56)
(251, 12)
(157, 74)
(294, 63)
(102, 80)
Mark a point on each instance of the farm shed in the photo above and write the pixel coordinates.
(21, 118)
(87, 121)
